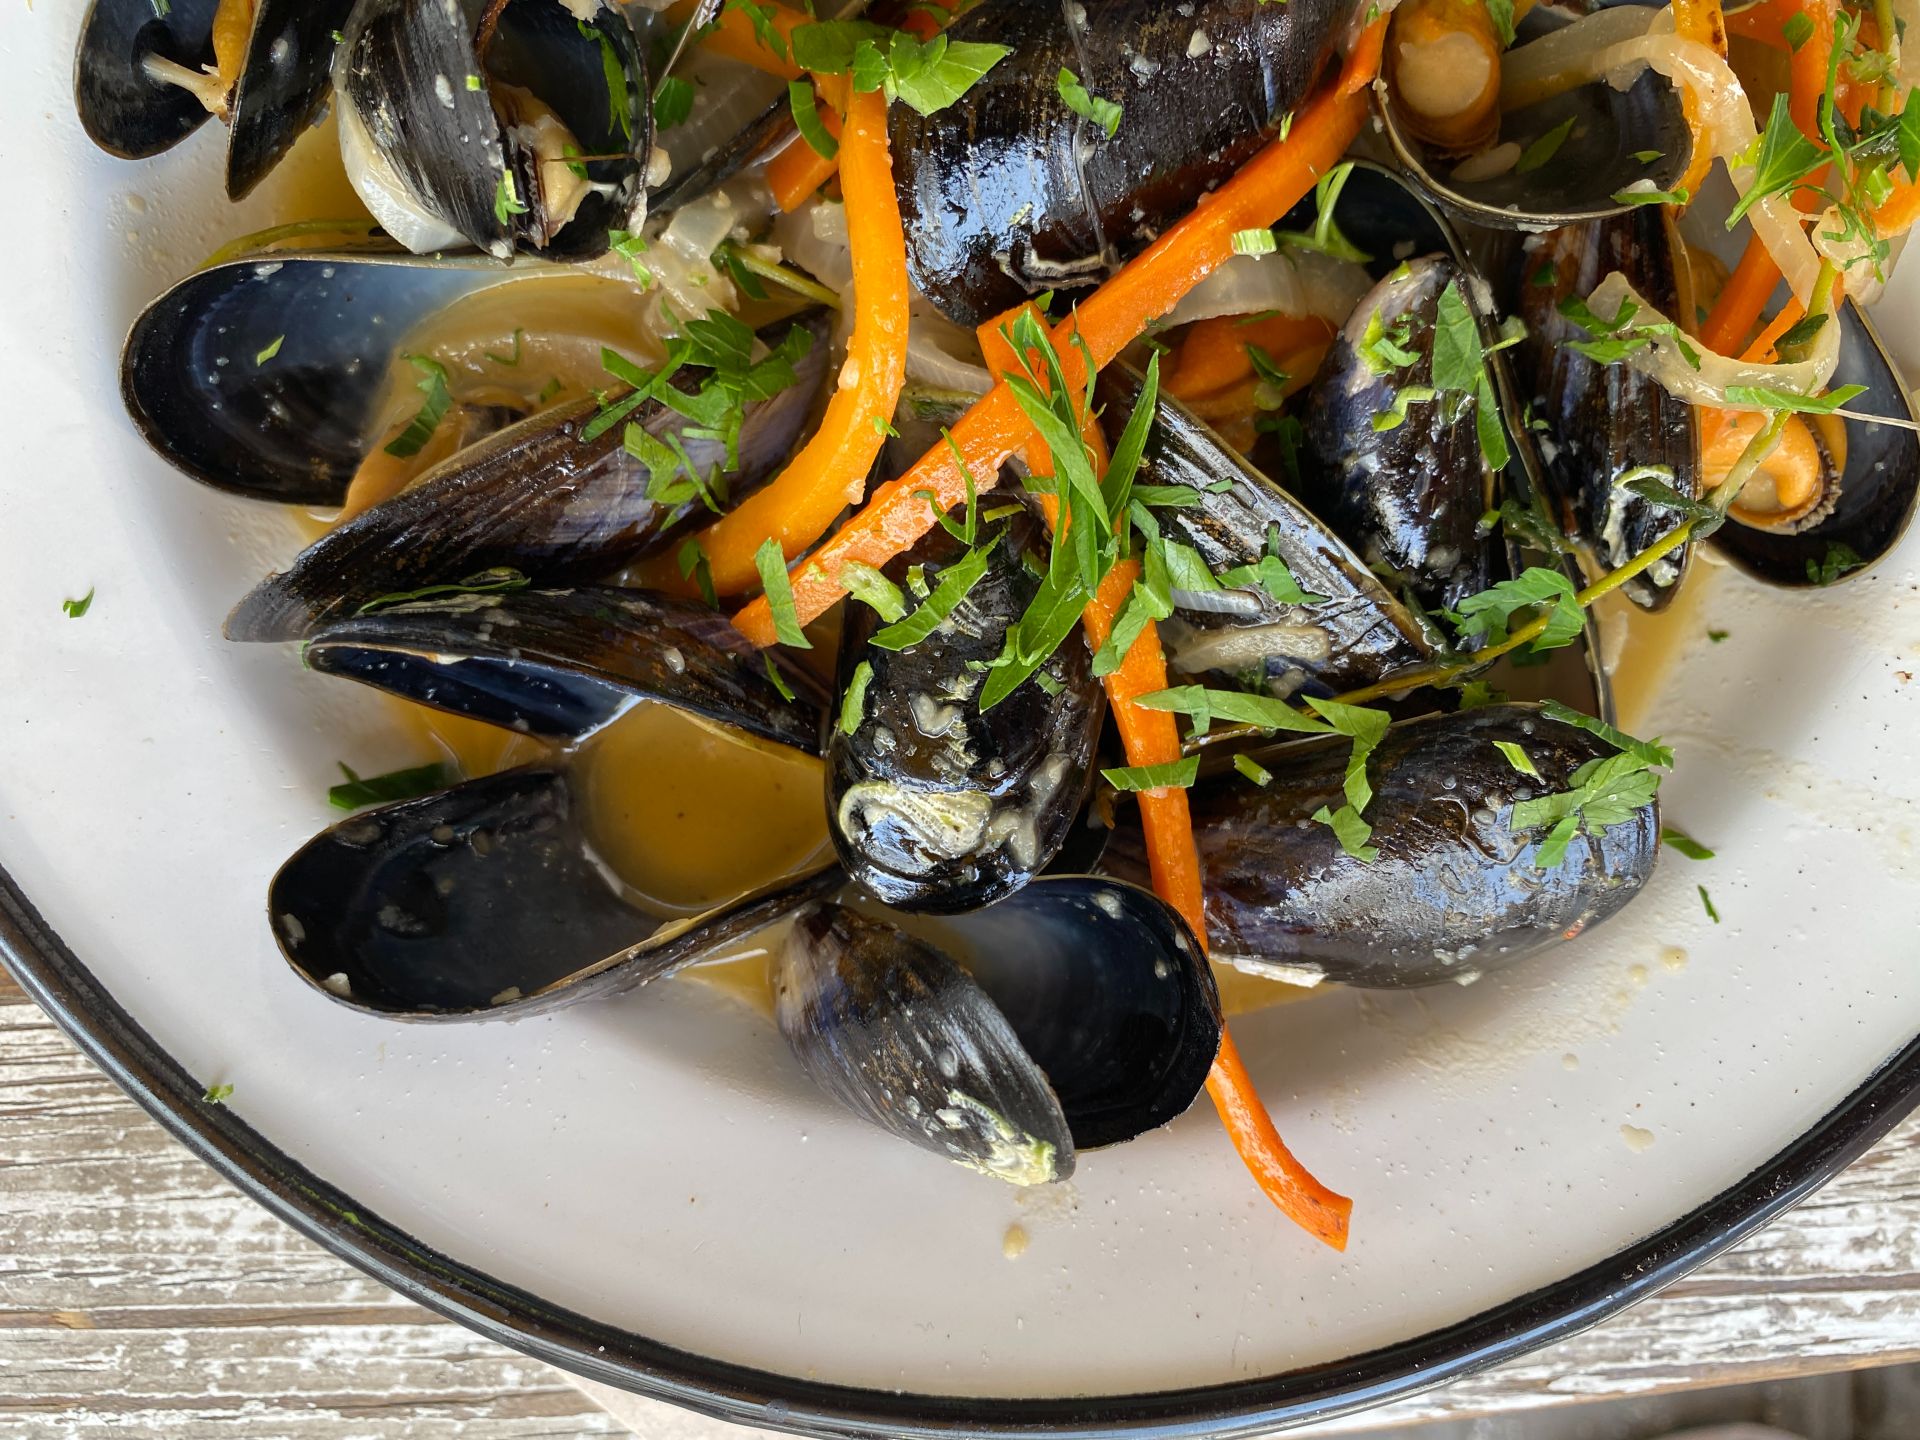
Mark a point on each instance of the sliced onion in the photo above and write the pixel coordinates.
(1664, 363)
(1293, 282)
(1592, 47)
(1243, 604)
(942, 356)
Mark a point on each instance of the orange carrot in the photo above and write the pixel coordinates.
(1741, 300)
(1807, 68)
(1151, 737)
(1110, 319)
(733, 35)
(830, 473)
(799, 169)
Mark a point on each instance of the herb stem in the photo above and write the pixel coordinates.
(781, 275)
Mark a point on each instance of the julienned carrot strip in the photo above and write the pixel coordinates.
(799, 169)
(1151, 737)
(830, 473)
(1807, 68)
(1741, 299)
(1109, 320)
(734, 36)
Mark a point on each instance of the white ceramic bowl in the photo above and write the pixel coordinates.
(646, 1190)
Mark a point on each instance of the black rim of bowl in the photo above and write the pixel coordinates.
(55, 978)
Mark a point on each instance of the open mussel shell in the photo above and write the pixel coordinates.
(1578, 180)
(1009, 192)
(1455, 892)
(487, 901)
(283, 80)
(1603, 421)
(535, 498)
(1352, 633)
(437, 162)
(295, 427)
(1077, 1013)
(1870, 492)
(932, 804)
(559, 664)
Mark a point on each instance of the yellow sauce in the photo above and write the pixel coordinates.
(1242, 994)
(1641, 647)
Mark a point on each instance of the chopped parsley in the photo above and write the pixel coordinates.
(807, 119)
(433, 384)
(1089, 106)
(1489, 615)
(76, 608)
(1684, 844)
(1325, 236)
(506, 198)
(771, 562)
(357, 793)
(1544, 148)
(218, 1094)
(1606, 791)
(955, 583)
(870, 587)
(1174, 775)
(928, 75)
(672, 102)
(1838, 560)
(853, 705)
(272, 349)
(1706, 902)
(629, 245)
(1253, 242)
(1716, 636)
(1517, 757)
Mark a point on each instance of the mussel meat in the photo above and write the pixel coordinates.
(1455, 891)
(147, 74)
(1076, 1013)
(1009, 191)
(934, 805)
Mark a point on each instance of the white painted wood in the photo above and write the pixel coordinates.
(141, 1295)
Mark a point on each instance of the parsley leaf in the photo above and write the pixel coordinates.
(1490, 613)
(1765, 399)
(357, 794)
(672, 102)
(1839, 560)
(853, 705)
(271, 350)
(1174, 775)
(771, 562)
(218, 1094)
(1706, 901)
(1684, 844)
(1544, 148)
(1783, 158)
(1084, 103)
(870, 587)
(806, 119)
(1517, 757)
(956, 581)
(76, 608)
(433, 384)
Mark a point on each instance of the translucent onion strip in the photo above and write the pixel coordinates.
(1663, 362)
(1602, 45)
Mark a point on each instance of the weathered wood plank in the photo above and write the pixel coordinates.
(141, 1295)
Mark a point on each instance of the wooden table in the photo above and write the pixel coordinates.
(140, 1295)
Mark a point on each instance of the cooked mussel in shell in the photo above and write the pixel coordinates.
(559, 664)
(1606, 422)
(148, 74)
(516, 126)
(1516, 151)
(538, 498)
(934, 804)
(1011, 192)
(1076, 1013)
(1455, 892)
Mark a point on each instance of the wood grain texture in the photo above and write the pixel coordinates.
(141, 1295)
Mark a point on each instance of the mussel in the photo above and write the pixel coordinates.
(1838, 493)
(934, 805)
(1455, 892)
(489, 900)
(1009, 191)
(1603, 421)
(1555, 159)
(1343, 631)
(1076, 1013)
(510, 127)
(559, 664)
(148, 72)
(1408, 495)
(536, 498)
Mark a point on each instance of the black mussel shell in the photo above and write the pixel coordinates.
(1409, 498)
(1567, 180)
(1872, 497)
(284, 83)
(933, 805)
(535, 498)
(486, 901)
(1454, 893)
(1605, 420)
(284, 79)
(423, 102)
(1084, 1016)
(125, 110)
(1351, 633)
(1008, 192)
(292, 429)
(559, 664)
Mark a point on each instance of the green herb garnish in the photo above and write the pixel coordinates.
(358, 793)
